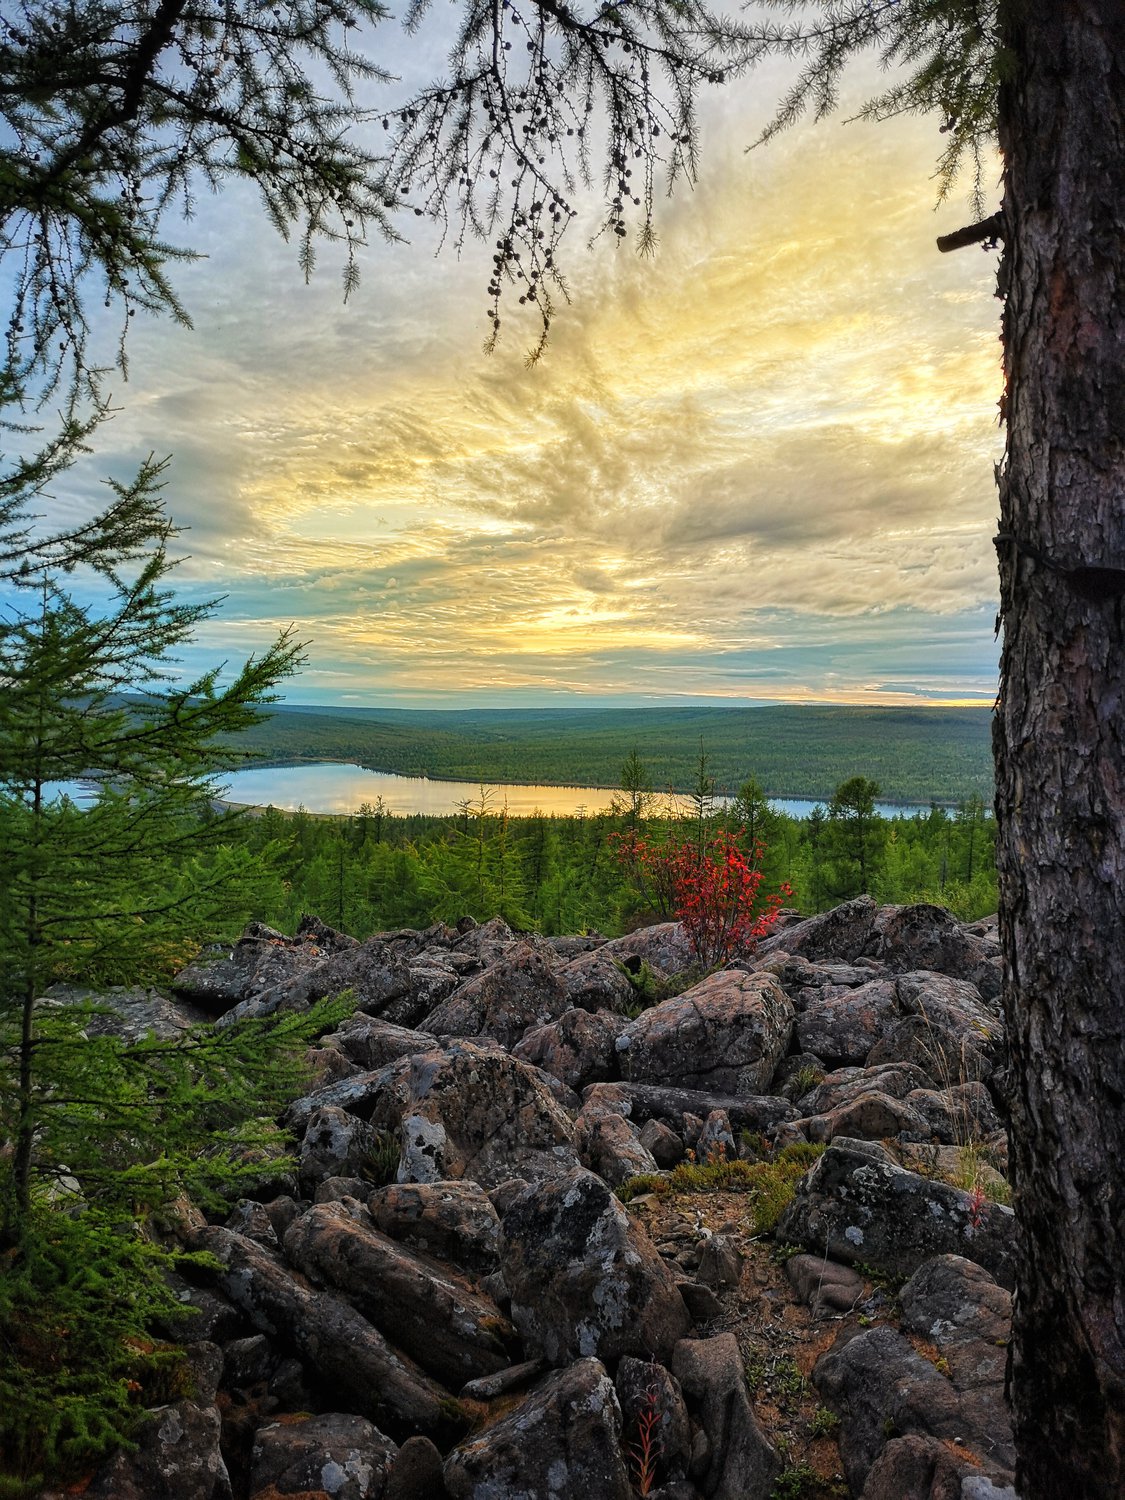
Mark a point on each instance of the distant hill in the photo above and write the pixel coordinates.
(915, 754)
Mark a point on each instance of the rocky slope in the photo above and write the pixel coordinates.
(448, 1298)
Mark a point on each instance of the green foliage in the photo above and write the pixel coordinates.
(76, 1301)
(559, 876)
(824, 1423)
(798, 1482)
(795, 751)
(944, 58)
(855, 837)
(382, 1161)
(769, 1184)
(119, 1132)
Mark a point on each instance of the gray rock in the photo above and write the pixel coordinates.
(720, 1265)
(843, 1085)
(177, 1454)
(872, 1116)
(514, 1378)
(826, 1286)
(597, 981)
(963, 1112)
(583, 1276)
(455, 1221)
(521, 990)
(333, 1454)
(334, 1189)
(610, 1145)
(329, 1335)
(424, 1308)
(917, 1467)
(665, 947)
(649, 1395)
(856, 1204)
(470, 1111)
(843, 1029)
(842, 933)
(881, 1389)
(741, 1463)
(261, 960)
(650, 1101)
(664, 1144)
(416, 1473)
(579, 1048)
(726, 1035)
(335, 1144)
(561, 1443)
(248, 1362)
(907, 938)
(372, 1041)
(485, 943)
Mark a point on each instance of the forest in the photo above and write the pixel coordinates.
(373, 871)
(916, 754)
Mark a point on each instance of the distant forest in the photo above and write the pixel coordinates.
(917, 755)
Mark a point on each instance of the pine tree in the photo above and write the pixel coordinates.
(115, 890)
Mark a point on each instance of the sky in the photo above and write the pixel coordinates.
(756, 467)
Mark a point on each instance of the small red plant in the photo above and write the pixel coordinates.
(978, 1206)
(644, 1454)
(714, 890)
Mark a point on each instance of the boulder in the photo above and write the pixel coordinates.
(425, 1309)
(177, 1454)
(610, 1145)
(335, 1144)
(826, 1286)
(650, 1397)
(454, 1221)
(484, 943)
(562, 1442)
(334, 1454)
(921, 936)
(903, 938)
(348, 1354)
(917, 1467)
(584, 1278)
(521, 990)
(371, 1041)
(742, 1464)
(870, 1117)
(842, 933)
(724, 1035)
(579, 1048)
(955, 1115)
(857, 1205)
(664, 947)
(651, 1101)
(598, 981)
(842, 1030)
(957, 1306)
(881, 1388)
(416, 1473)
(468, 1111)
(665, 1145)
(260, 960)
(845, 1085)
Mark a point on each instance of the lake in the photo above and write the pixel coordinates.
(335, 788)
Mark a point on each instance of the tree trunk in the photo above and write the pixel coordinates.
(1060, 734)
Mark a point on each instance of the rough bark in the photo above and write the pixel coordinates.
(1060, 734)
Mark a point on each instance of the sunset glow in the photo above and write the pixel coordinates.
(755, 467)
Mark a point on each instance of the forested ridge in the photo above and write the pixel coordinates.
(916, 754)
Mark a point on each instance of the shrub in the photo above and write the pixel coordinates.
(711, 887)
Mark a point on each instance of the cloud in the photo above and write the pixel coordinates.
(788, 416)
